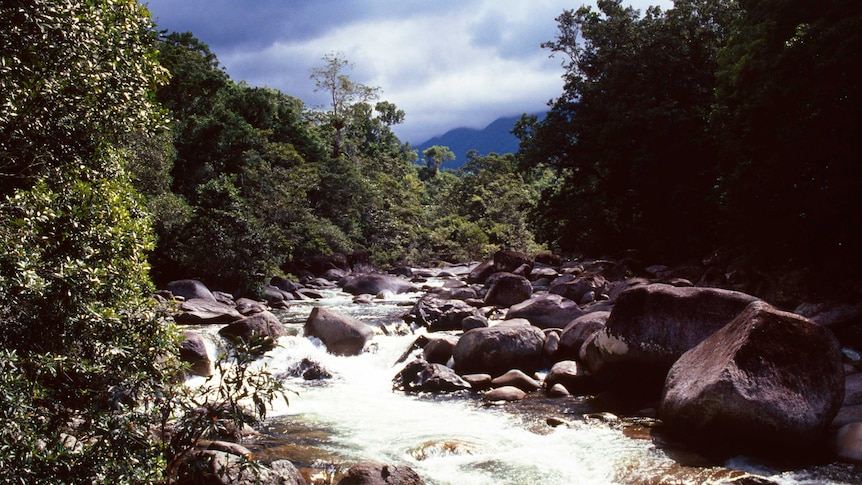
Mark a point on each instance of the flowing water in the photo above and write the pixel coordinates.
(457, 439)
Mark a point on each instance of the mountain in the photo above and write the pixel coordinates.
(494, 138)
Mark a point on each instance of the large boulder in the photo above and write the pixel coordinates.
(198, 311)
(373, 473)
(507, 289)
(512, 344)
(373, 284)
(423, 376)
(342, 334)
(190, 289)
(650, 327)
(769, 380)
(577, 332)
(546, 311)
(263, 324)
(440, 314)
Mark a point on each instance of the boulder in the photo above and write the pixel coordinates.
(650, 327)
(577, 332)
(506, 393)
(422, 376)
(513, 344)
(373, 284)
(572, 376)
(769, 380)
(508, 261)
(508, 289)
(248, 306)
(342, 334)
(373, 473)
(439, 350)
(848, 443)
(193, 350)
(480, 273)
(438, 314)
(198, 311)
(478, 381)
(549, 259)
(190, 290)
(546, 311)
(334, 274)
(309, 370)
(284, 284)
(578, 288)
(276, 297)
(516, 378)
(263, 324)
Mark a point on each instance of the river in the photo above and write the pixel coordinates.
(458, 439)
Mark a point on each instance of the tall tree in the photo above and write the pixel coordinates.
(78, 333)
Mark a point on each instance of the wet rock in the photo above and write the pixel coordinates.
(276, 297)
(422, 376)
(513, 344)
(507, 289)
(546, 311)
(375, 283)
(203, 312)
(577, 332)
(444, 448)
(193, 350)
(342, 334)
(373, 473)
(516, 378)
(190, 290)
(769, 380)
(507, 393)
(309, 370)
(263, 324)
(650, 327)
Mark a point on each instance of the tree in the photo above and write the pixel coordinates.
(629, 136)
(436, 156)
(79, 332)
(342, 91)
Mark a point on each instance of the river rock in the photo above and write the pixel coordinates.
(508, 261)
(572, 376)
(506, 393)
(439, 314)
(516, 378)
(439, 349)
(478, 381)
(546, 311)
(576, 288)
(190, 290)
(769, 380)
(512, 344)
(373, 473)
(193, 350)
(373, 284)
(263, 324)
(198, 311)
(577, 332)
(650, 327)
(422, 376)
(247, 306)
(284, 284)
(848, 443)
(507, 289)
(342, 334)
(481, 273)
(309, 370)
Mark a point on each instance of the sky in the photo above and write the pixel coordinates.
(446, 63)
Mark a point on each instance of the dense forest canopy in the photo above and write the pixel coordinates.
(128, 155)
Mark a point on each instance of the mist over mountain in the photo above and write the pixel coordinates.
(494, 138)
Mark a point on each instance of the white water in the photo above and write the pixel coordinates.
(461, 441)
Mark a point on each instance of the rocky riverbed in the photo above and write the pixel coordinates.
(725, 386)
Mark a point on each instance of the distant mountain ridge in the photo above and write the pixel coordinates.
(494, 138)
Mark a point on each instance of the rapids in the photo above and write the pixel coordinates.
(458, 439)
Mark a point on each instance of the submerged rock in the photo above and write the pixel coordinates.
(422, 376)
